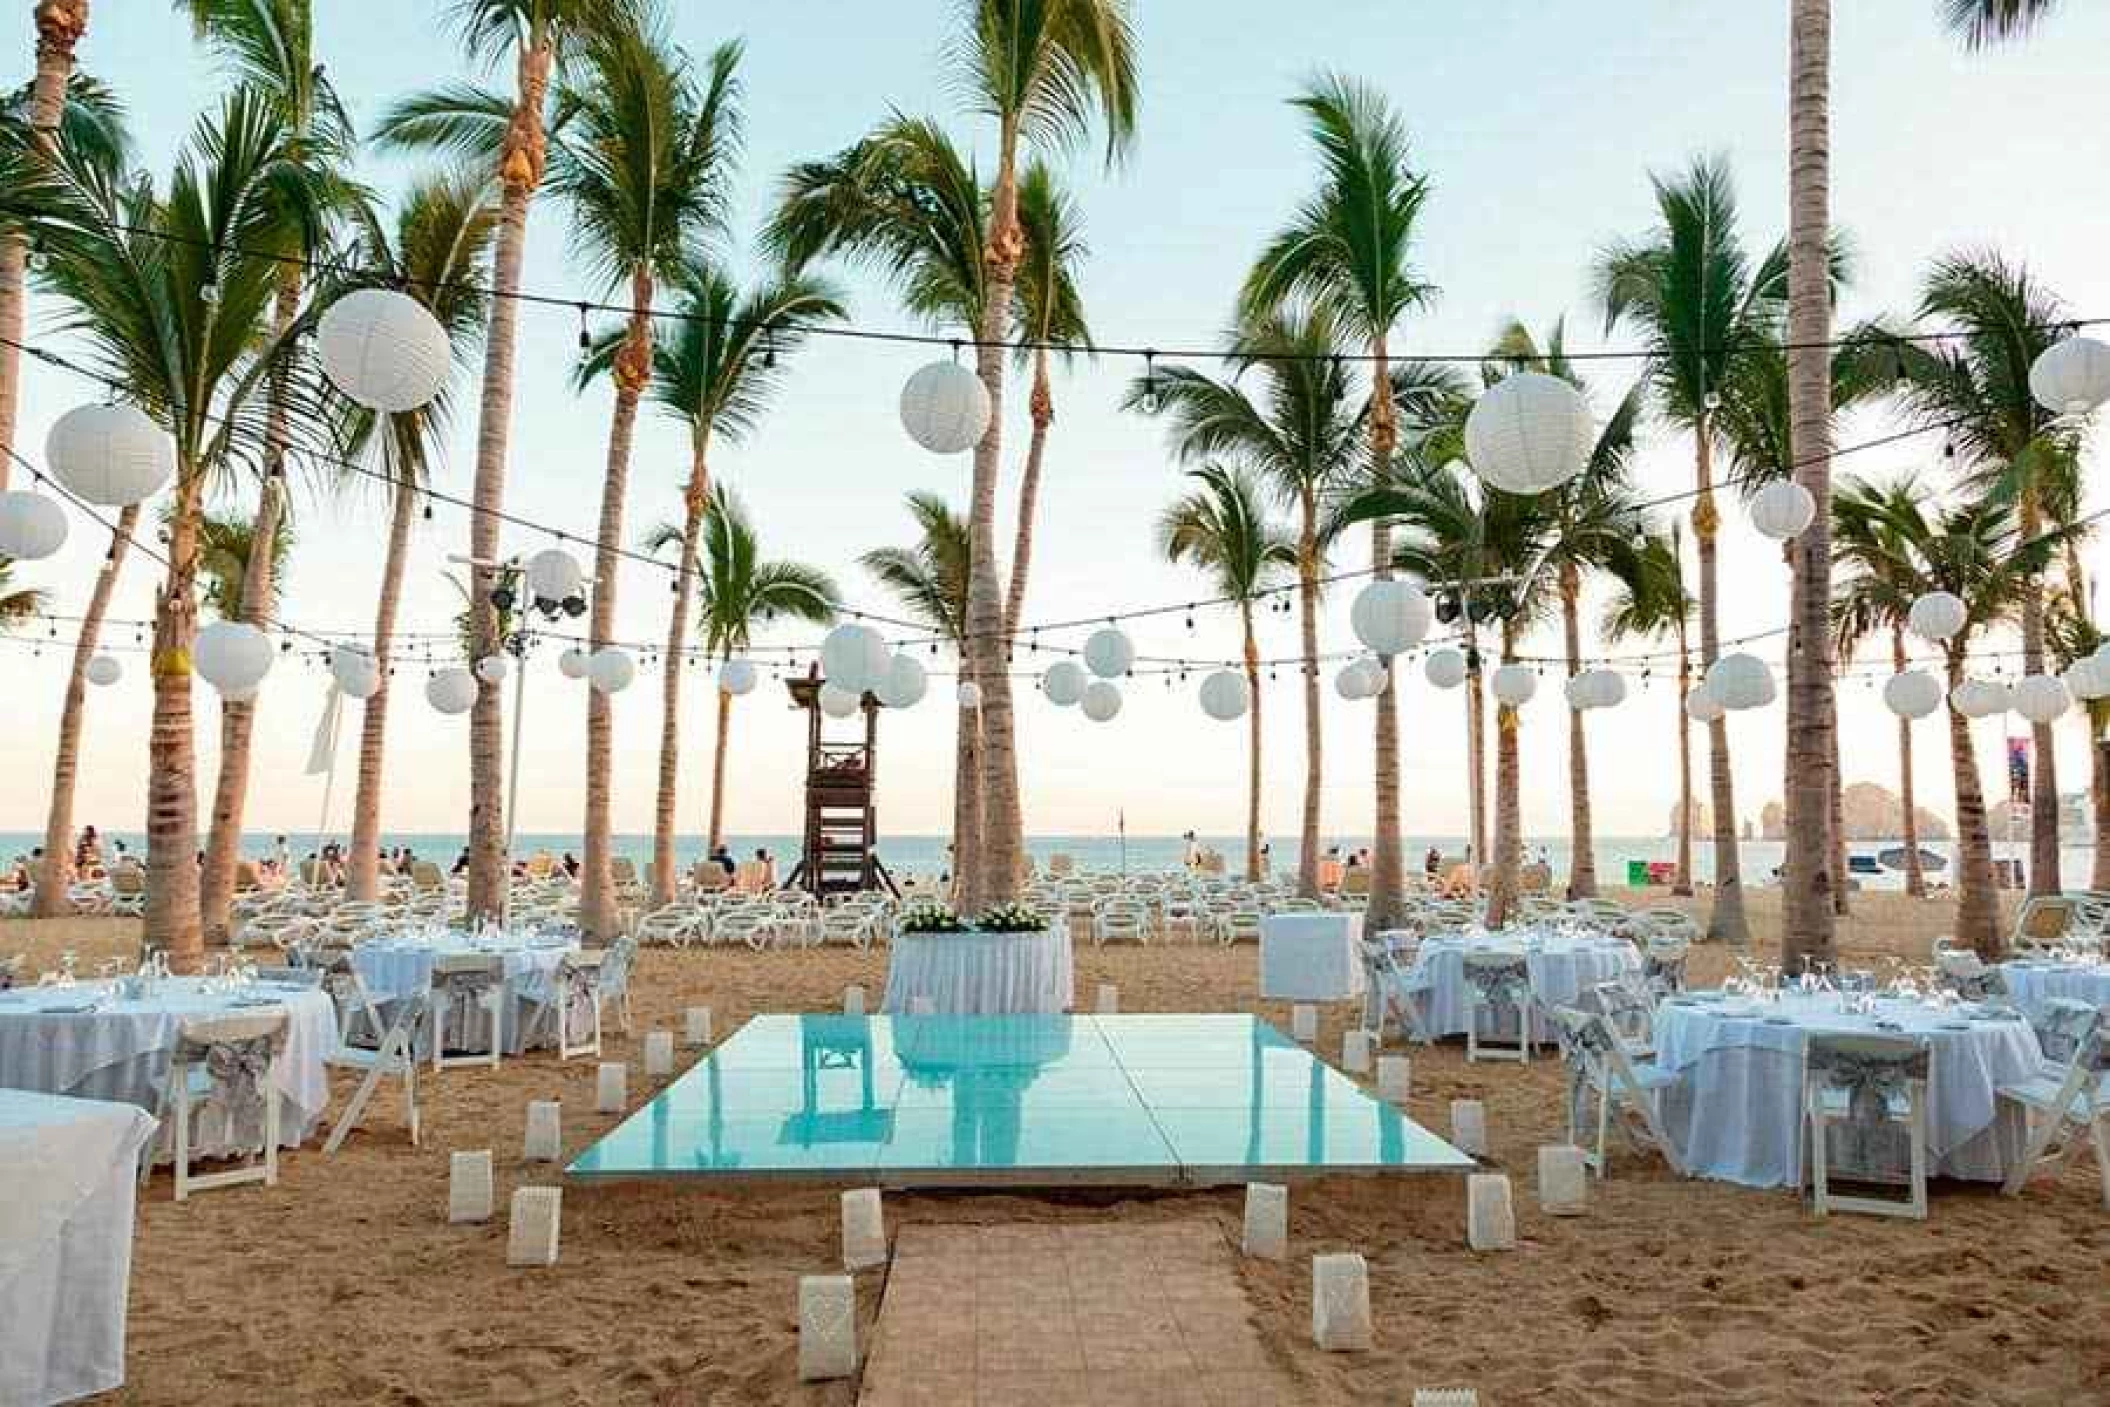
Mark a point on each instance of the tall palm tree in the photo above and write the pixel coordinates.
(509, 137)
(443, 235)
(1298, 429)
(929, 579)
(739, 589)
(1975, 550)
(1043, 69)
(1223, 529)
(1347, 250)
(716, 374)
(1983, 23)
(1050, 310)
(645, 168)
(1652, 602)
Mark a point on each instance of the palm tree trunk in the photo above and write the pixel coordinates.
(2099, 795)
(694, 497)
(1582, 858)
(1252, 789)
(1836, 814)
(1476, 755)
(171, 917)
(1977, 906)
(1509, 839)
(1043, 406)
(1386, 857)
(56, 878)
(363, 872)
(967, 808)
(725, 731)
(2044, 777)
(1725, 923)
(1909, 827)
(1682, 885)
(1308, 645)
(60, 24)
(520, 171)
(633, 368)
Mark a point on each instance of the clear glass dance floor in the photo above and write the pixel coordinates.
(1013, 1101)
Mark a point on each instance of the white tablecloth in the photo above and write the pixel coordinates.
(396, 967)
(1563, 966)
(2035, 981)
(1737, 1111)
(981, 974)
(1311, 957)
(69, 1168)
(120, 1050)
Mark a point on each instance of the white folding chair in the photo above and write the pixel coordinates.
(1870, 1089)
(568, 1014)
(1497, 983)
(394, 1056)
(2065, 1105)
(223, 1067)
(468, 1001)
(1626, 1091)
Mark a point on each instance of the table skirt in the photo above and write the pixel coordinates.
(981, 974)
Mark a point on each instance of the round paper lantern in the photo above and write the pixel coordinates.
(1529, 432)
(1445, 668)
(383, 349)
(945, 408)
(554, 575)
(839, 703)
(2086, 679)
(492, 669)
(1390, 617)
(1101, 701)
(1979, 698)
(1360, 679)
(1109, 653)
(2040, 698)
(854, 658)
(1226, 695)
(573, 663)
(610, 669)
(232, 655)
(1594, 688)
(355, 672)
(31, 526)
(905, 683)
(1064, 683)
(968, 695)
(1740, 681)
(1701, 706)
(111, 455)
(738, 676)
(1938, 615)
(1514, 684)
(2071, 377)
(104, 670)
(451, 691)
(1913, 694)
(1783, 509)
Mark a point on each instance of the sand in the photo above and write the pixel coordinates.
(344, 1284)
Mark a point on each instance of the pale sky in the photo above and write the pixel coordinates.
(1537, 124)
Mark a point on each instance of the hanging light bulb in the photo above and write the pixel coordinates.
(585, 337)
(1150, 381)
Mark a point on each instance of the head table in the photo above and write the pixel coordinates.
(400, 964)
(981, 974)
(1564, 963)
(1736, 1112)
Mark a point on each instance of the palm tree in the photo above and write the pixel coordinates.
(717, 374)
(1297, 431)
(1651, 603)
(17, 604)
(1223, 529)
(2072, 636)
(1347, 250)
(1983, 23)
(929, 579)
(1050, 310)
(739, 590)
(1040, 68)
(1975, 550)
(508, 137)
(645, 167)
(443, 234)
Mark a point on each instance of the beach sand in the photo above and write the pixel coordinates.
(345, 1284)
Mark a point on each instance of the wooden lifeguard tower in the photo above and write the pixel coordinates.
(840, 853)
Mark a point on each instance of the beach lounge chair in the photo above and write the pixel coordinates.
(2065, 1105)
(128, 890)
(224, 1067)
(1871, 1089)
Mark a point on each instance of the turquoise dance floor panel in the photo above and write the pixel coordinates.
(1013, 1101)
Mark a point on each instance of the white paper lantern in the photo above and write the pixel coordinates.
(1783, 509)
(610, 669)
(355, 672)
(383, 349)
(451, 690)
(945, 408)
(1740, 681)
(2071, 377)
(1938, 615)
(1064, 683)
(573, 663)
(1360, 679)
(738, 676)
(1701, 706)
(554, 574)
(492, 669)
(1913, 694)
(854, 658)
(2040, 698)
(1101, 701)
(905, 682)
(32, 527)
(111, 455)
(968, 695)
(105, 670)
(1979, 698)
(1514, 684)
(1390, 617)
(1445, 668)
(1226, 695)
(1109, 653)
(232, 655)
(839, 703)
(1594, 688)
(2087, 679)
(1529, 432)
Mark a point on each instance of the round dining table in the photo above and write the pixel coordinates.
(2034, 981)
(1564, 963)
(981, 974)
(397, 965)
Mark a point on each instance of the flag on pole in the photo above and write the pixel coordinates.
(2018, 770)
(322, 752)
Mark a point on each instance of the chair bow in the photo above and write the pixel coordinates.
(237, 1069)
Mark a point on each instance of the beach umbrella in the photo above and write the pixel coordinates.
(232, 655)
(111, 455)
(1937, 615)
(610, 669)
(1445, 668)
(451, 690)
(1109, 653)
(554, 575)
(839, 703)
(968, 694)
(1226, 695)
(1741, 681)
(1064, 683)
(2040, 698)
(1390, 617)
(905, 682)
(383, 349)
(1783, 509)
(854, 658)
(1979, 698)
(2071, 377)
(1913, 694)
(1514, 684)
(31, 526)
(1701, 706)
(1101, 701)
(945, 408)
(492, 669)
(105, 670)
(573, 663)
(1529, 432)
(737, 677)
